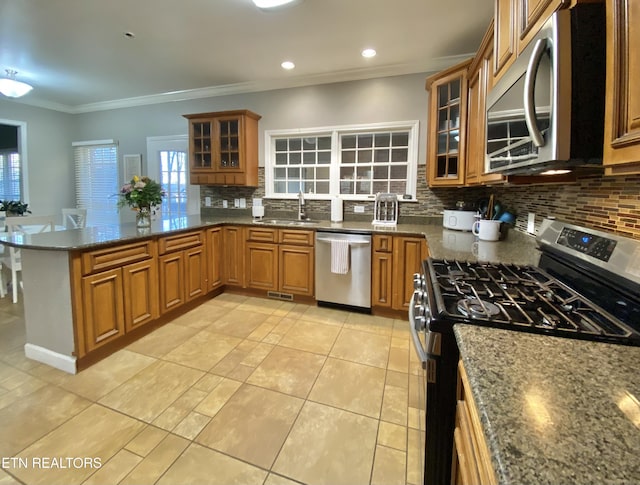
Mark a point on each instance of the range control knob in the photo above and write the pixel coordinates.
(418, 281)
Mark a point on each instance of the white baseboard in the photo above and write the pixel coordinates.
(49, 357)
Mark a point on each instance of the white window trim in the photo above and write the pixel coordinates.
(24, 158)
(335, 131)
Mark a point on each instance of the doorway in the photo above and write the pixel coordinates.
(167, 162)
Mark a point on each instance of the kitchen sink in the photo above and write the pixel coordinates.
(286, 222)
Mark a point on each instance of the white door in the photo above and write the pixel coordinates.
(168, 163)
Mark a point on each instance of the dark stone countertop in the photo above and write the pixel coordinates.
(555, 410)
(516, 248)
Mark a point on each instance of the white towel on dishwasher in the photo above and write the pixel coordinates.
(339, 256)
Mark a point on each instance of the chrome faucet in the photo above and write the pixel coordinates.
(302, 210)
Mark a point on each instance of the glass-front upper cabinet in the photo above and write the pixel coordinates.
(202, 144)
(446, 132)
(223, 148)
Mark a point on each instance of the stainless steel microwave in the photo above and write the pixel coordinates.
(547, 111)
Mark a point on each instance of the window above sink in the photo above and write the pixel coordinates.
(352, 162)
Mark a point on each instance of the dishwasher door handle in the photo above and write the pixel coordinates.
(355, 242)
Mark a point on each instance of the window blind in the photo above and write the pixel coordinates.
(10, 176)
(96, 173)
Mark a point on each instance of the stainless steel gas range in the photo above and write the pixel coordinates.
(586, 286)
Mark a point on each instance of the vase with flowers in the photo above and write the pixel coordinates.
(141, 193)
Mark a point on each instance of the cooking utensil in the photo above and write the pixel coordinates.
(497, 211)
(490, 207)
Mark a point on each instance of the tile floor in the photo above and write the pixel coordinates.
(240, 390)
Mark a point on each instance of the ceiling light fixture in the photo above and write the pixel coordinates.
(288, 65)
(12, 88)
(369, 53)
(272, 3)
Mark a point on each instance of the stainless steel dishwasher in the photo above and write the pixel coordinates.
(353, 288)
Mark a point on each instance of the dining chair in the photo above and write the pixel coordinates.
(23, 225)
(74, 218)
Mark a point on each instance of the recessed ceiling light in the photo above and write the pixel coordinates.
(368, 53)
(271, 3)
(288, 65)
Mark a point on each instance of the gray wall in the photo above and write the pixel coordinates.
(376, 100)
(50, 133)
(49, 155)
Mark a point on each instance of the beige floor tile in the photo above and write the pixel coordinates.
(261, 305)
(394, 405)
(416, 418)
(274, 479)
(350, 386)
(415, 454)
(228, 300)
(208, 382)
(6, 479)
(146, 440)
(180, 409)
(229, 363)
(328, 446)
(151, 468)
(191, 426)
(151, 391)
(252, 425)
(362, 347)
(218, 397)
(241, 372)
(311, 336)
(34, 415)
(369, 323)
(262, 331)
(203, 351)
(238, 323)
(397, 379)
(202, 466)
(417, 391)
(289, 371)
(106, 375)
(257, 354)
(95, 433)
(399, 360)
(400, 342)
(162, 340)
(327, 316)
(29, 385)
(389, 467)
(392, 436)
(115, 469)
(202, 316)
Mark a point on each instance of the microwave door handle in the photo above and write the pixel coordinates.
(529, 92)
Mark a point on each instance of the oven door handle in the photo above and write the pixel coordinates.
(422, 354)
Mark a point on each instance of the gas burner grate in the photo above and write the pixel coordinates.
(476, 308)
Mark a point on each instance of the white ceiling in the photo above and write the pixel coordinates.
(75, 53)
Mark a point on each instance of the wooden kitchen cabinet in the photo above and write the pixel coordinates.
(233, 267)
(505, 36)
(394, 261)
(280, 260)
(471, 464)
(223, 148)
(446, 132)
(408, 254)
(183, 269)
(622, 109)
(480, 80)
(119, 293)
(103, 308)
(214, 258)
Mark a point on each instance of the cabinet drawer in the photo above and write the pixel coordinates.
(261, 234)
(296, 236)
(114, 257)
(382, 244)
(180, 241)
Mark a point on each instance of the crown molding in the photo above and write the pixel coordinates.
(435, 65)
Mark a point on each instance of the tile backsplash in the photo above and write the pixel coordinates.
(610, 204)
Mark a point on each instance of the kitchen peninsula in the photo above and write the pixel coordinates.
(89, 291)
